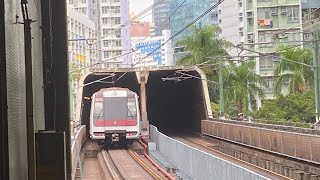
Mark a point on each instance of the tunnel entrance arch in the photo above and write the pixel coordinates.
(171, 104)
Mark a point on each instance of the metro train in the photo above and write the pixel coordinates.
(114, 116)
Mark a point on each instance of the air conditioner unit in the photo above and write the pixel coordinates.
(241, 29)
(284, 11)
(275, 36)
(273, 12)
(250, 40)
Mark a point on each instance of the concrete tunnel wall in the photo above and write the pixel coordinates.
(171, 106)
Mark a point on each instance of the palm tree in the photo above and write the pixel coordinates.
(202, 43)
(241, 82)
(298, 75)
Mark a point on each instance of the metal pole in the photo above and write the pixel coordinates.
(221, 91)
(316, 71)
(29, 92)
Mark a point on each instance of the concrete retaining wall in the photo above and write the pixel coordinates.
(200, 165)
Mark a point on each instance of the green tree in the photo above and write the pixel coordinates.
(203, 43)
(75, 73)
(299, 76)
(240, 82)
(292, 108)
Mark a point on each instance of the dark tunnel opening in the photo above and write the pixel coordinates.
(172, 106)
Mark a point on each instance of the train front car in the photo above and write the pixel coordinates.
(115, 116)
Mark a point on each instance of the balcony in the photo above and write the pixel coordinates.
(310, 19)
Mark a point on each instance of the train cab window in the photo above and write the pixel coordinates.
(132, 110)
(98, 110)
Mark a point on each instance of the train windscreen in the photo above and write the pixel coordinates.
(115, 109)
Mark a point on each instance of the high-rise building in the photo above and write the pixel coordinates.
(114, 31)
(144, 46)
(160, 15)
(111, 19)
(311, 18)
(187, 12)
(81, 37)
(260, 25)
(231, 22)
(85, 7)
(267, 24)
(213, 15)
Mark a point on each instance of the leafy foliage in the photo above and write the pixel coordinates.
(239, 83)
(203, 43)
(293, 108)
(298, 75)
(75, 72)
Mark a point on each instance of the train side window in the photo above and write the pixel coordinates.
(132, 110)
(98, 110)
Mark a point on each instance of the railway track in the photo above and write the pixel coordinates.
(206, 146)
(123, 164)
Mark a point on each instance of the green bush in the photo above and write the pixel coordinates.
(299, 108)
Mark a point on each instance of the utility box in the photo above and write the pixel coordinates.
(51, 155)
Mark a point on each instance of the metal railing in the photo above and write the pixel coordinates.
(76, 144)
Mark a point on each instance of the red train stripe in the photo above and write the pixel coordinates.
(116, 123)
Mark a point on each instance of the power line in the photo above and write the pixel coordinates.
(131, 50)
(181, 30)
(138, 16)
(273, 56)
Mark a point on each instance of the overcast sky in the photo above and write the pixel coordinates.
(137, 6)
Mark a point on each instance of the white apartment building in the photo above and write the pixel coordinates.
(111, 18)
(231, 22)
(82, 35)
(114, 32)
(144, 46)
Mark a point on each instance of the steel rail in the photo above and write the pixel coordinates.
(143, 165)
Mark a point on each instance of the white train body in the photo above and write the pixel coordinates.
(114, 115)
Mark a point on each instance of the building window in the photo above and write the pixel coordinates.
(269, 84)
(118, 34)
(214, 16)
(105, 43)
(104, 9)
(106, 54)
(265, 63)
(105, 32)
(117, 20)
(104, 20)
(294, 38)
(84, 1)
(293, 14)
(117, 10)
(265, 37)
(264, 13)
(118, 43)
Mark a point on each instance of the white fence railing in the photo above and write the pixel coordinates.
(77, 141)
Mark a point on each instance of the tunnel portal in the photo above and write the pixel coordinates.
(171, 105)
